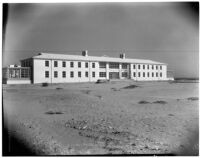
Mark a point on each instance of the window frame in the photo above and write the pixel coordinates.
(55, 74)
(46, 65)
(55, 64)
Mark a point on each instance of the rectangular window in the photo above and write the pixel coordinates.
(124, 66)
(156, 67)
(147, 66)
(86, 74)
(93, 74)
(143, 66)
(148, 74)
(79, 64)
(156, 74)
(79, 74)
(124, 74)
(86, 65)
(71, 74)
(143, 74)
(71, 64)
(47, 63)
(160, 74)
(55, 74)
(133, 66)
(152, 67)
(160, 67)
(93, 65)
(64, 74)
(46, 74)
(152, 74)
(102, 65)
(134, 74)
(138, 66)
(138, 74)
(55, 63)
(63, 64)
(102, 74)
(114, 65)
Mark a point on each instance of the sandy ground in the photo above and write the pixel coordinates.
(108, 118)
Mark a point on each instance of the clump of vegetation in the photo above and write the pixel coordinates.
(131, 87)
(45, 84)
(144, 102)
(160, 102)
(58, 88)
(193, 98)
(51, 112)
(102, 81)
(115, 89)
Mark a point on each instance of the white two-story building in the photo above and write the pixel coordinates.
(61, 68)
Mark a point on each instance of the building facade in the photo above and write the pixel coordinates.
(58, 68)
(61, 68)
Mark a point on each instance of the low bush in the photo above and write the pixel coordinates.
(160, 102)
(131, 87)
(144, 102)
(45, 84)
(193, 98)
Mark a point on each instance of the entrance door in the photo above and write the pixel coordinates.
(113, 75)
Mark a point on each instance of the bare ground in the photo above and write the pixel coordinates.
(107, 118)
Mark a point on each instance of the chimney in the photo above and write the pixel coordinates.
(122, 56)
(85, 53)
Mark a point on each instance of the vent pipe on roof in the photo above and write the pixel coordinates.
(85, 53)
(122, 56)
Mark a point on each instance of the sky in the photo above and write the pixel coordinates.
(163, 32)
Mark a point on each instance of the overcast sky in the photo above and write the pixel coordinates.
(164, 32)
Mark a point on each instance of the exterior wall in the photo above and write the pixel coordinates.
(18, 82)
(40, 68)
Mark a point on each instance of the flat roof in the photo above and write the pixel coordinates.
(49, 56)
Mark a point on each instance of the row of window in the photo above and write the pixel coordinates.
(71, 64)
(103, 65)
(147, 74)
(148, 67)
(71, 74)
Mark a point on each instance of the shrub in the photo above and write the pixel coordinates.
(160, 102)
(45, 84)
(144, 102)
(131, 87)
(193, 98)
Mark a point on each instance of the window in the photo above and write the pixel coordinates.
(55, 74)
(86, 74)
(152, 67)
(93, 65)
(47, 63)
(160, 67)
(143, 66)
(63, 64)
(55, 63)
(79, 74)
(138, 74)
(138, 66)
(133, 66)
(148, 74)
(86, 65)
(160, 74)
(79, 64)
(64, 74)
(102, 65)
(102, 74)
(152, 74)
(114, 65)
(156, 67)
(124, 66)
(25, 73)
(147, 66)
(124, 74)
(134, 74)
(143, 74)
(46, 74)
(71, 64)
(156, 74)
(93, 74)
(71, 74)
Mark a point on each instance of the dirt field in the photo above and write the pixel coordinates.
(108, 118)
